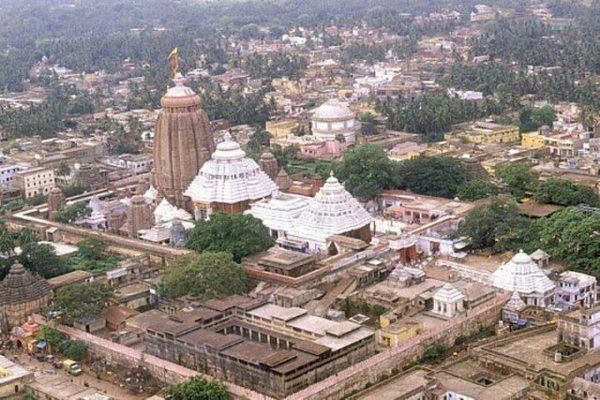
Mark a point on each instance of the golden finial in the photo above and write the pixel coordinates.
(174, 61)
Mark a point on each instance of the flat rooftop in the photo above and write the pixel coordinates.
(10, 371)
(406, 384)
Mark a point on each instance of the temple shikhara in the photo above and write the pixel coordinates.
(182, 142)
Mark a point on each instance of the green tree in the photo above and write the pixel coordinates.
(477, 189)
(41, 258)
(74, 349)
(52, 336)
(565, 193)
(497, 226)
(81, 301)
(366, 171)
(238, 234)
(571, 235)
(519, 178)
(73, 212)
(433, 176)
(92, 248)
(63, 169)
(198, 389)
(206, 275)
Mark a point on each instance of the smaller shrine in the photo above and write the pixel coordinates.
(448, 301)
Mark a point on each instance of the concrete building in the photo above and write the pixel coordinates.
(34, 181)
(8, 171)
(574, 288)
(13, 378)
(483, 132)
(580, 328)
(267, 348)
(183, 142)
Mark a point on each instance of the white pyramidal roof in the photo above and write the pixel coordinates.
(522, 274)
(167, 212)
(230, 177)
(333, 109)
(515, 303)
(281, 211)
(333, 211)
(448, 294)
(151, 194)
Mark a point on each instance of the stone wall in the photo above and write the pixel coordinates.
(385, 363)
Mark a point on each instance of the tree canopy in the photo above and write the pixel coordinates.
(366, 171)
(41, 258)
(519, 178)
(565, 193)
(206, 275)
(477, 189)
(433, 176)
(73, 212)
(80, 301)
(238, 234)
(198, 389)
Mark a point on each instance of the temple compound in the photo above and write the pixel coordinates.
(268, 348)
(183, 141)
(21, 294)
(333, 120)
(312, 224)
(228, 182)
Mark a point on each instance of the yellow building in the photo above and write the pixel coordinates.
(284, 128)
(393, 333)
(483, 132)
(532, 140)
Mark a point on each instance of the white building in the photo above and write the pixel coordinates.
(521, 274)
(307, 224)
(229, 182)
(8, 171)
(35, 181)
(334, 119)
(574, 288)
(448, 301)
(512, 309)
(580, 328)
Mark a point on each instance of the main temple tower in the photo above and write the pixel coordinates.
(183, 141)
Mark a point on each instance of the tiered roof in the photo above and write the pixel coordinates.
(166, 212)
(448, 294)
(522, 274)
(515, 303)
(230, 177)
(21, 286)
(333, 211)
(281, 211)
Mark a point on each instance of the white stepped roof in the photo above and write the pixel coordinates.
(230, 177)
(522, 274)
(281, 211)
(333, 211)
(515, 303)
(166, 212)
(448, 294)
(179, 90)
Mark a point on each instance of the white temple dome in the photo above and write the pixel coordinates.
(150, 195)
(332, 120)
(333, 110)
(230, 177)
(521, 274)
(333, 211)
(448, 294)
(179, 90)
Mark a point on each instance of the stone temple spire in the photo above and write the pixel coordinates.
(183, 141)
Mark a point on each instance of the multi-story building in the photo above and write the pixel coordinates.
(563, 145)
(574, 288)
(8, 171)
(580, 328)
(35, 181)
(484, 132)
(533, 140)
(271, 349)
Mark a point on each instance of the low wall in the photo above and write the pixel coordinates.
(165, 371)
